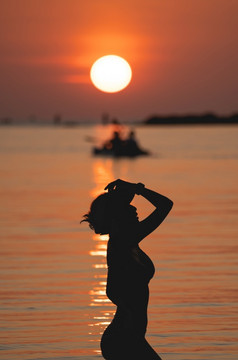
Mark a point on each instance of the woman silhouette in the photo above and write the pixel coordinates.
(129, 268)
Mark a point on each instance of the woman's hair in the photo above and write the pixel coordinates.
(105, 207)
(100, 214)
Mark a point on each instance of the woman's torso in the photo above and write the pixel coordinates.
(129, 272)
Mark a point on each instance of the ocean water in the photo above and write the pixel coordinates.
(53, 270)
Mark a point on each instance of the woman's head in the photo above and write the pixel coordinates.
(99, 216)
(106, 207)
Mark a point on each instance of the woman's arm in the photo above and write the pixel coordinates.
(163, 206)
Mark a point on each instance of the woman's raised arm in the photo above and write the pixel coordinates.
(163, 206)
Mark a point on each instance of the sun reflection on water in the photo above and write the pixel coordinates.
(97, 294)
(102, 175)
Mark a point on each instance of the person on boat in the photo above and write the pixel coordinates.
(117, 144)
(129, 268)
(131, 145)
(114, 146)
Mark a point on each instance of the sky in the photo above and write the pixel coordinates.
(183, 55)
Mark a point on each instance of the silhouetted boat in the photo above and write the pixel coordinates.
(109, 152)
(118, 147)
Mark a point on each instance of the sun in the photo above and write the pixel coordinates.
(111, 73)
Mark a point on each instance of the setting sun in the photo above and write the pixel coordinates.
(111, 73)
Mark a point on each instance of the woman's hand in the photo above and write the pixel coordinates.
(121, 185)
(125, 186)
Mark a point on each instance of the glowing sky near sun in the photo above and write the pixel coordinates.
(183, 56)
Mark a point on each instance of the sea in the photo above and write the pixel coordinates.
(53, 269)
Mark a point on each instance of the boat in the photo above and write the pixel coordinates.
(109, 152)
(117, 147)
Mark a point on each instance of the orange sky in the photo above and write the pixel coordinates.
(183, 55)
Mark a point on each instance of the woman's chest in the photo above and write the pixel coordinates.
(142, 263)
(131, 264)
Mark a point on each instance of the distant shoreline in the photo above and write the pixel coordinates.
(189, 119)
(206, 119)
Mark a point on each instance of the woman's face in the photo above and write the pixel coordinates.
(130, 213)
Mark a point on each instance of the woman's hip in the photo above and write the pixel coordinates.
(117, 344)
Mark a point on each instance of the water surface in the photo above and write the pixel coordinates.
(53, 270)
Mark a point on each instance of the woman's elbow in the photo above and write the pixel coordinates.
(169, 204)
